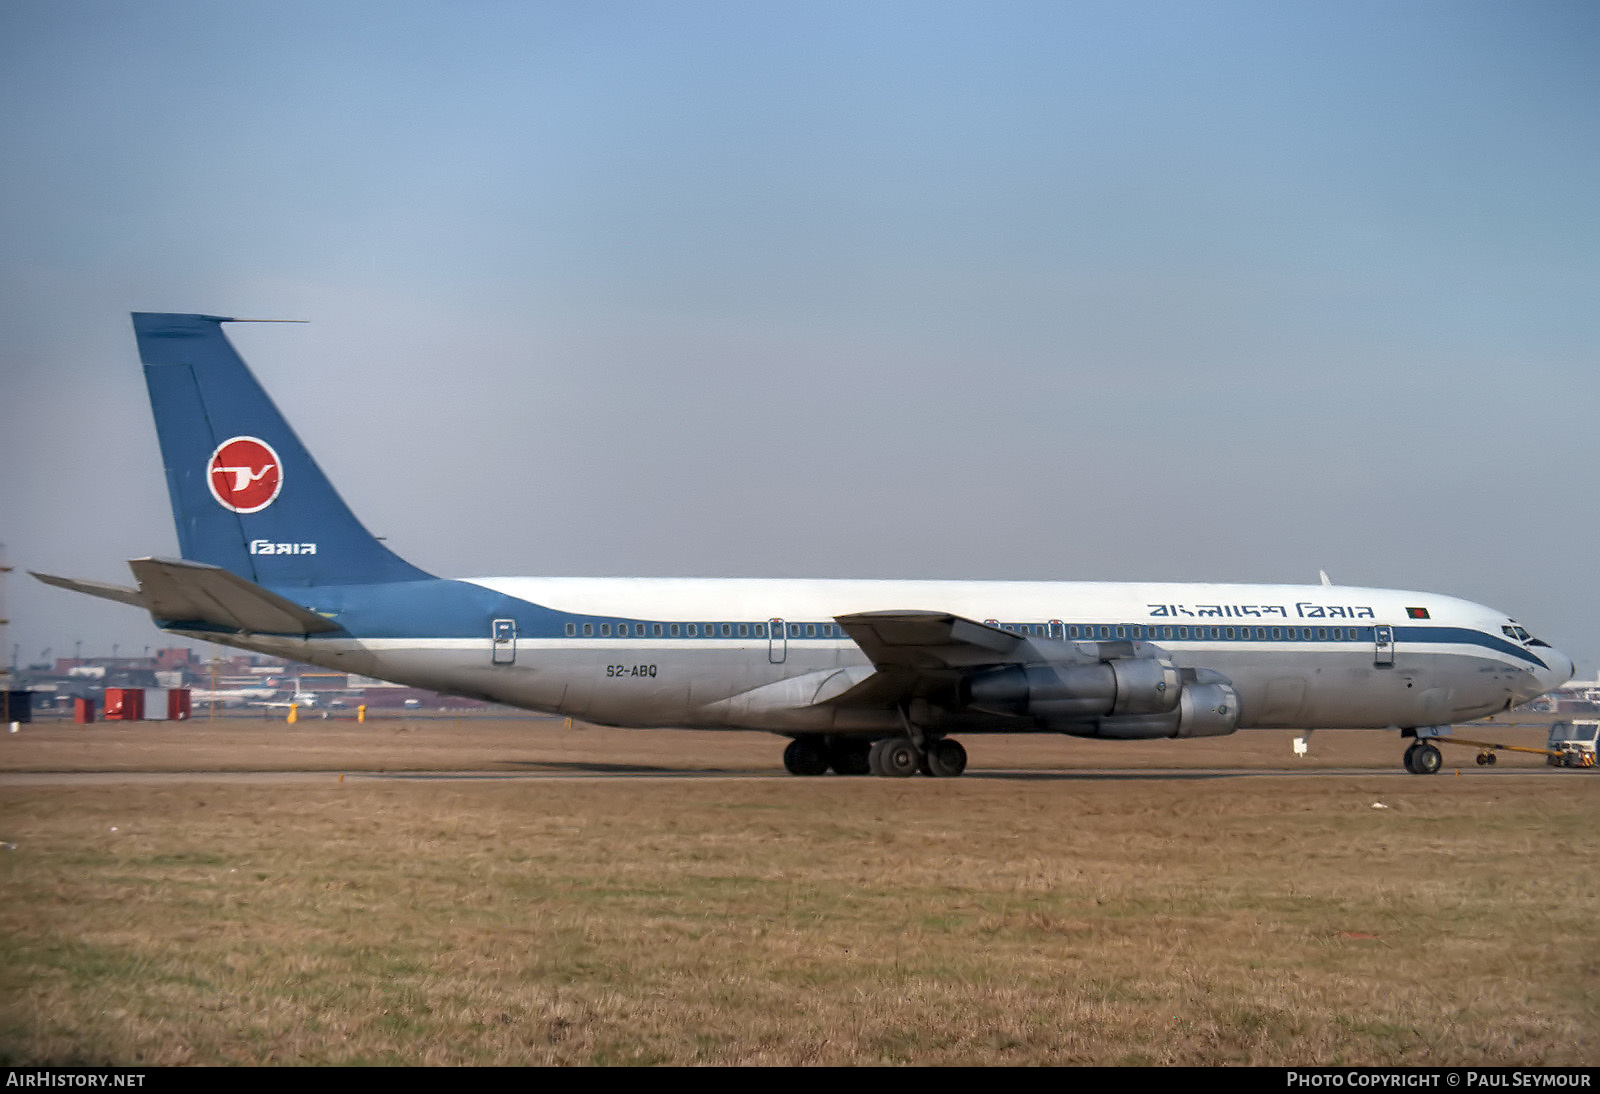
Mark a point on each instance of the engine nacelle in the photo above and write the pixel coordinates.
(1145, 685)
(1204, 710)
(1064, 693)
(1208, 710)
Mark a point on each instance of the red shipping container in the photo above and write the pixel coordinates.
(178, 704)
(83, 711)
(124, 704)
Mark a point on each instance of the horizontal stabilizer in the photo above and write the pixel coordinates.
(120, 593)
(182, 592)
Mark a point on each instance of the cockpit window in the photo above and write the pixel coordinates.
(1520, 635)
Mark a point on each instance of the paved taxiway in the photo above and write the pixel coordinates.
(314, 778)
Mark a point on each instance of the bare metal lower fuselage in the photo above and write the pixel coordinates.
(640, 684)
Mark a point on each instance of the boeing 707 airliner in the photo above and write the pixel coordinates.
(862, 676)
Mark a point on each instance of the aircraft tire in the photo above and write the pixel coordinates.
(894, 758)
(1427, 760)
(1410, 760)
(946, 759)
(805, 756)
(849, 756)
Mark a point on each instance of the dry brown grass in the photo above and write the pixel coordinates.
(1258, 919)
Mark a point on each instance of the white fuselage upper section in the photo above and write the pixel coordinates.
(1009, 601)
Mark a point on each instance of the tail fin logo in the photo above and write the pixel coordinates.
(244, 474)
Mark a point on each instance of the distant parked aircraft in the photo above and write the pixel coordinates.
(231, 697)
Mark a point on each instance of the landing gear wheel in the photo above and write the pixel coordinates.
(1411, 759)
(849, 756)
(805, 756)
(1426, 761)
(1492, 758)
(946, 759)
(894, 757)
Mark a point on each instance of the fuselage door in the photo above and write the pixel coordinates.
(1383, 647)
(504, 647)
(777, 641)
(1058, 630)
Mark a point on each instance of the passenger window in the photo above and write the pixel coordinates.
(727, 630)
(572, 629)
(1228, 633)
(655, 630)
(761, 630)
(1277, 634)
(588, 630)
(672, 629)
(605, 630)
(694, 630)
(1105, 632)
(1183, 632)
(811, 630)
(1305, 634)
(1322, 634)
(1215, 632)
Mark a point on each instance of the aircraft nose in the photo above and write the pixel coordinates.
(1561, 668)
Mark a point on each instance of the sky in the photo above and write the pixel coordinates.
(1063, 291)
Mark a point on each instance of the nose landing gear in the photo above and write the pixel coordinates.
(1423, 759)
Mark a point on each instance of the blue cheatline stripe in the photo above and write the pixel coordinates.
(442, 608)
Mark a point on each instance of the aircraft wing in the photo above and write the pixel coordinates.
(921, 654)
(929, 640)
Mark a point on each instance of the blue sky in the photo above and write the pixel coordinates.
(1115, 291)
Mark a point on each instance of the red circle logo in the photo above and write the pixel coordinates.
(244, 474)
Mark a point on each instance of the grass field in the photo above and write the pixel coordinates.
(1036, 918)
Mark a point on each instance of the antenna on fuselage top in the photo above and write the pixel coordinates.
(1323, 574)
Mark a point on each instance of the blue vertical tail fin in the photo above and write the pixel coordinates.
(246, 495)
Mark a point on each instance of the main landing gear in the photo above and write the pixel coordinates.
(1423, 758)
(888, 757)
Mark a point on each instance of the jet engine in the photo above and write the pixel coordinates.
(1128, 698)
(1204, 710)
(1055, 693)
